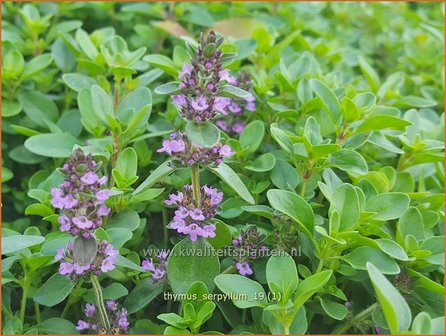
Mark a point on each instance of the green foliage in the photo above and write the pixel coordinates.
(339, 168)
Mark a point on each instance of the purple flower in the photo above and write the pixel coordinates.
(103, 180)
(82, 222)
(221, 103)
(123, 322)
(158, 274)
(238, 128)
(196, 214)
(60, 254)
(179, 100)
(209, 231)
(178, 224)
(226, 151)
(244, 268)
(66, 268)
(194, 231)
(172, 146)
(187, 70)
(148, 265)
(102, 195)
(234, 107)
(89, 309)
(224, 75)
(80, 269)
(111, 304)
(200, 103)
(82, 325)
(174, 199)
(182, 212)
(57, 192)
(90, 178)
(65, 223)
(108, 264)
(103, 211)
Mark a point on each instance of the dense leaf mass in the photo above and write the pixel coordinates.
(222, 167)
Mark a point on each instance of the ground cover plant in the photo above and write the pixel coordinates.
(265, 168)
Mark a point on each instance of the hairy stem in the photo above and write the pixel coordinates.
(100, 302)
(196, 189)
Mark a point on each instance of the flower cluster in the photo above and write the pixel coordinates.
(191, 219)
(248, 246)
(201, 81)
(118, 319)
(81, 196)
(232, 122)
(158, 271)
(74, 265)
(180, 148)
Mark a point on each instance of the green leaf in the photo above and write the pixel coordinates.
(56, 325)
(223, 236)
(231, 178)
(369, 73)
(388, 205)
(392, 249)
(282, 139)
(192, 261)
(281, 273)
(54, 290)
(119, 236)
(143, 293)
(36, 65)
(309, 286)
(345, 201)
(228, 90)
(111, 292)
(252, 135)
(349, 161)
(162, 62)
(57, 145)
(10, 108)
(293, 206)
(137, 99)
(168, 88)
(334, 309)
(38, 107)
(360, 256)
(127, 219)
(411, 223)
(382, 121)
(77, 82)
(203, 134)
(86, 44)
(329, 100)
(127, 163)
(158, 174)
(263, 163)
(246, 293)
(102, 103)
(285, 176)
(393, 305)
(11, 244)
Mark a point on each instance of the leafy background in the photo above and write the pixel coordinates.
(350, 98)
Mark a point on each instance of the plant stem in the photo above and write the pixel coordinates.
(286, 329)
(229, 270)
(37, 310)
(303, 188)
(196, 189)
(100, 302)
(24, 299)
(165, 228)
(355, 320)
